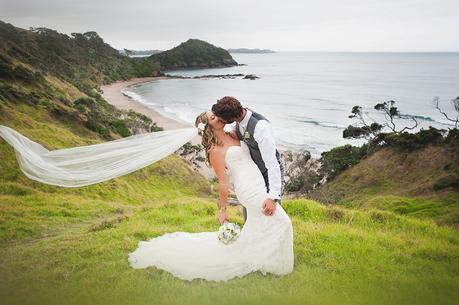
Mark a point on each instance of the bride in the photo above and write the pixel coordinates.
(265, 243)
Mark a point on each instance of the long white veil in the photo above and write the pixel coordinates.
(86, 165)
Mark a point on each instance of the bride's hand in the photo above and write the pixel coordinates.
(223, 216)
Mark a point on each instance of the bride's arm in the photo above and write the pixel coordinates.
(218, 163)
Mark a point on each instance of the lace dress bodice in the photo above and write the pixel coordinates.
(248, 181)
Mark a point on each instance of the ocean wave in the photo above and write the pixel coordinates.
(419, 117)
(134, 96)
(185, 112)
(331, 109)
(288, 145)
(320, 123)
(425, 118)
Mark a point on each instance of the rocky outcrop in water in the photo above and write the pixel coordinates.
(209, 76)
(251, 77)
(223, 76)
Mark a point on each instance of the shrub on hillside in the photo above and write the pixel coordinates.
(22, 73)
(452, 136)
(6, 71)
(410, 141)
(121, 128)
(448, 181)
(85, 103)
(103, 117)
(339, 158)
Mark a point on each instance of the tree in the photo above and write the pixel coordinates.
(455, 103)
(390, 113)
(370, 131)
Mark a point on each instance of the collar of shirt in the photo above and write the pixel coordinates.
(245, 120)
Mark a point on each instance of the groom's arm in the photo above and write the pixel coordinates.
(264, 136)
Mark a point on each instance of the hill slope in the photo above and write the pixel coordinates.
(84, 60)
(50, 71)
(421, 183)
(59, 243)
(194, 53)
(72, 243)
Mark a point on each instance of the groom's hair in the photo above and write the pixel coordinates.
(228, 108)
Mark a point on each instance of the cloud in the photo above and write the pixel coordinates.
(329, 25)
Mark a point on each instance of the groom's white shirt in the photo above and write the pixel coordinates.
(264, 136)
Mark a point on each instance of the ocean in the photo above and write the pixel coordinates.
(308, 96)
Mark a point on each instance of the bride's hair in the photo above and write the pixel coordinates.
(208, 136)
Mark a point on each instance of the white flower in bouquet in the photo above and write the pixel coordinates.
(228, 232)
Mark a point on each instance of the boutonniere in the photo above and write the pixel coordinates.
(246, 135)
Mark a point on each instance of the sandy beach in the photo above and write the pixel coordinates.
(112, 94)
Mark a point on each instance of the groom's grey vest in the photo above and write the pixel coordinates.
(255, 153)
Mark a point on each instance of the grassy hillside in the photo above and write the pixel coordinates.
(72, 244)
(341, 256)
(82, 59)
(420, 183)
(36, 208)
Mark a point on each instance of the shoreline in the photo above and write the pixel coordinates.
(113, 95)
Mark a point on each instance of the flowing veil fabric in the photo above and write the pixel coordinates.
(86, 165)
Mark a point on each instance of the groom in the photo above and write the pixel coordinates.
(256, 131)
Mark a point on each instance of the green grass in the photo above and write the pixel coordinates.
(341, 257)
(400, 182)
(70, 245)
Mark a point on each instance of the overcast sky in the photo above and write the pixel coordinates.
(283, 25)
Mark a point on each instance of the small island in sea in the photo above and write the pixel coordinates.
(194, 54)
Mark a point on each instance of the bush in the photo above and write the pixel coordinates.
(189, 148)
(340, 158)
(121, 128)
(410, 141)
(200, 159)
(361, 132)
(453, 135)
(22, 73)
(6, 71)
(294, 185)
(448, 181)
(84, 102)
(92, 124)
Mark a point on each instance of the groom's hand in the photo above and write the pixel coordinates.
(269, 207)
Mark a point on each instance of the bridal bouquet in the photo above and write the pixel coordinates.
(228, 232)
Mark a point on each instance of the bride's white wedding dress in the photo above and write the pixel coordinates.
(265, 243)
